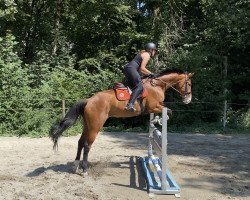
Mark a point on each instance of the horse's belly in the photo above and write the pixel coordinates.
(119, 111)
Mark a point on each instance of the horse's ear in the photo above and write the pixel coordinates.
(190, 75)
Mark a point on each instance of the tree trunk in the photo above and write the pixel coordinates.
(57, 25)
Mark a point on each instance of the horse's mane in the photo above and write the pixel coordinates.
(168, 71)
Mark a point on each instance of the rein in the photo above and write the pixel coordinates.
(171, 84)
(166, 84)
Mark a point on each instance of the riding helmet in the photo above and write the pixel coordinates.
(150, 46)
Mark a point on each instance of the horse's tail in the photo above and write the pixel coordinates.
(70, 118)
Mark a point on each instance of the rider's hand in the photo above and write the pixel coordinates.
(152, 76)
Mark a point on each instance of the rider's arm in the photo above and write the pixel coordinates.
(145, 58)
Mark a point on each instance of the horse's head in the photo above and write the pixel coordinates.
(179, 81)
(183, 86)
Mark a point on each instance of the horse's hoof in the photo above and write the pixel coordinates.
(81, 172)
(74, 165)
(85, 174)
(84, 165)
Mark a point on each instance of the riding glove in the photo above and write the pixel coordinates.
(152, 75)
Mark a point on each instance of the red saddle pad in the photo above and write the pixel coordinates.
(122, 94)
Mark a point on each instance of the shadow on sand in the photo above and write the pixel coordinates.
(228, 154)
(57, 168)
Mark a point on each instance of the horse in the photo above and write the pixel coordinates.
(104, 104)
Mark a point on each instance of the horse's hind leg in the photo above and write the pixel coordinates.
(78, 155)
(87, 147)
(75, 164)
(94, 125)
(88, 140)
(82, 143)
(80, 147)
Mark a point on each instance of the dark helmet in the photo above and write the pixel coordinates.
(150, 46)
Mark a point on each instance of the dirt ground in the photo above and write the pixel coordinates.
(207, 167)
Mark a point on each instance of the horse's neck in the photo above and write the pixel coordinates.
(169, 80)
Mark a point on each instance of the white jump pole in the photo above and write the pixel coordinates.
(158, 176)
(151, 133)
(164, 148)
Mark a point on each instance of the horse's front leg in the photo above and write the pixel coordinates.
(158, 108)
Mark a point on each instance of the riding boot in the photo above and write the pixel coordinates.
(135, 94)
(130, 107)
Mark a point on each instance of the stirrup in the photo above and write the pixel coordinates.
(130, 107)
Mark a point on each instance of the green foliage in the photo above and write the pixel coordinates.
(79, 48)
(212, 30)
(239, 119)
(7, 10)
(207, 85)
(13, 84)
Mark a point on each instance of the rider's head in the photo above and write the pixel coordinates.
(151, 48)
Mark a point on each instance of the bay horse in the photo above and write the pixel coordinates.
(98, 108)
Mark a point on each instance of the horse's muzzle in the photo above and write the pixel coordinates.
(187, 99)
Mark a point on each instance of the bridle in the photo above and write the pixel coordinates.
(186, 84)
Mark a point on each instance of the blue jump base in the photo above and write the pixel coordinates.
(154, 181)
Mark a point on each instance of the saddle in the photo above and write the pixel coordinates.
(123, 92)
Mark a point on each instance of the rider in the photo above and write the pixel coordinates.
(131, 72)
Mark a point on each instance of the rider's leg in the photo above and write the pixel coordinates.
(136, 92)
(134, 82)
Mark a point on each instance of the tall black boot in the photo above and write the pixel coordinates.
(135, 94)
